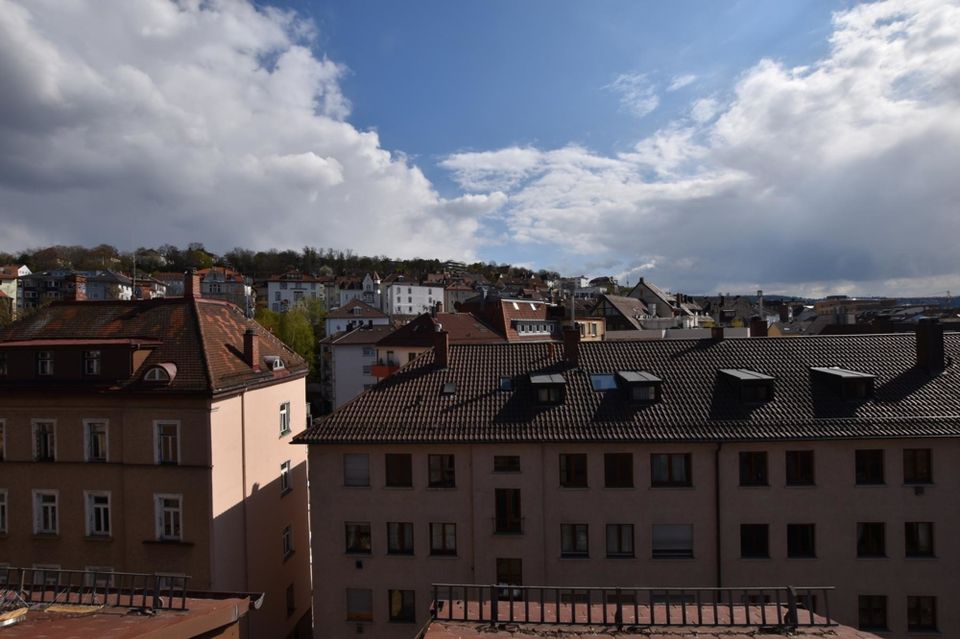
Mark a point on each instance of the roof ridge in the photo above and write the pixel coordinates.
(195, 307)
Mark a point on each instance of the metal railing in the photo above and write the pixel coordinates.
(780, 607)
(42, 586)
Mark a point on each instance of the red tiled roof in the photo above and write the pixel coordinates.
(202, 337)
(695, 404)
(462, 328)
(360, 336)
(346, 311)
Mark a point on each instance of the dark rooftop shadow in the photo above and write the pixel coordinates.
(828, 402)
(725, 402)
(902, 386)
(522, 405)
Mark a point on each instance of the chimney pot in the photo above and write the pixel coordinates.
(571, 346)
(441, 347)
(79, 289)
(930, 352)
(191, 284)
(251, 349)
(758, 326)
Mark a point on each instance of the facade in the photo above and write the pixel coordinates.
(668, 463)
(221, 283)
(403, 297)
(9, 274)
(283, 291)
(666, 310)
(366, 290)
(38, 289)
(353, 314)
(347, 362)
(153, 436)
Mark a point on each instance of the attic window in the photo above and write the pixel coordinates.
(506, 383)
(603, 381)
(449, 389)
(640, 387)
(357, 310)
(274, 363)
(549, 388)
(516, 306)
(161, 374)
(847, 383)
(533, 306)
(752, 387)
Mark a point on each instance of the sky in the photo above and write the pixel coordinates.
(799, 147)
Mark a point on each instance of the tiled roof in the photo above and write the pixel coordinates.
(346, 311)
(360, 336)
(629, 307)
(202, 337)
(9, 271)
(696, 405)
(463, 328)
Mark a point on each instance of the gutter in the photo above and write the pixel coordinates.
(716, 511)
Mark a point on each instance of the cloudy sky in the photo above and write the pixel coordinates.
(797, 146)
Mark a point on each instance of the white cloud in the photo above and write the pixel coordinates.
(841, 171)
(637, 94)
(680, 81)
(138, 123)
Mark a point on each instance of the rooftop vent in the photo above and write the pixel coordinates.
(274, 363)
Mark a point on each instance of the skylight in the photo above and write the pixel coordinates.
(603, 381)
(449, 388)
(506, 383)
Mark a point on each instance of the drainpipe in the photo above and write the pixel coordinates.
(716, 506)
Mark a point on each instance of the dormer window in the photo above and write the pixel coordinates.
(549, 388)
(603, 381)
(161, 374)
(44, 362)
(848, 384)
(274, 363)
(357, 310)
(640, 387)
(751, 387)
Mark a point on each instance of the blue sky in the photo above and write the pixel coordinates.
(799, 147)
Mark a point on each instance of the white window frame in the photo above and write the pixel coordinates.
(38, 507)
(156, 441)
(157, 374)
(89, 496)
(91, 362)
(286, 541)
(4, 510)
(34, 423)
(87, 423)
(46, 369)
(160, 512)
(284, 418)
(285, 477)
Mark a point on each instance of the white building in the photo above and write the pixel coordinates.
(411, 298)
(349, 359)
(353, 314)
(366, 290)
(283, 291)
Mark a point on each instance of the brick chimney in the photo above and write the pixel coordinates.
(191, 284)
(716, 333)
(437, 308)
(251, 349)
(78, 288)
(930, 354)
(571, 345)
(758, 327)
(441, 346)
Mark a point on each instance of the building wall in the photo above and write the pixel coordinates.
(834, 504)
(349, 363)
(282, 295)
(405, 298)
(337, 324)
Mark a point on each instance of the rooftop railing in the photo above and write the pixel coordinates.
(782, 607)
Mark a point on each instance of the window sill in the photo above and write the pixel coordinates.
(100, 538)
(46, 536)
(802, 557)
(754, 485)
(872, 557)
(672, 557)
(920, 557)
(357, 553)
(756, 558)
(621, 556)
(575, 556)
(562, 487)
(289, 555)
(619, 487)
(167, 542)
(672, 486)
(441, 487)
(810, 485)
(398, 487)
(508, 533)
(286, 491)
(401, 554)
(354, 486)
(443, 555)
(918, 483)
(870, 484)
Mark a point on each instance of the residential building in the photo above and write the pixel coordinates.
(108, 285)
(515, 319)
(221, 283)
(9, 274)
(717, 462)
(153, 436)
(367, 290)
(37, 289)
(283, 291)
(353, 314)
(172, 282)
(403, 297)
(455, 293)
(666, 310)
(347, 361)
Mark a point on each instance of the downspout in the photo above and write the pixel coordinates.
(716, 509)
(243, 478)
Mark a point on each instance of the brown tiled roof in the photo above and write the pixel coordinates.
(360, 336)
(463, 328)
(696, 404)
(9, 271)
(202, 337)
(629, 308)
(346, 311)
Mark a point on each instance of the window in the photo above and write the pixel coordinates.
(367, 369)
(91, 362)
(873, 612)
(618, 470)
(754, 541)
(358, 537)
(291, 600)
(3, 363)
(98, 513)
(356, 469)
(402, 608)
(918, 536)
(799, 464)
(753, 468)
(284, 418)
(3, 513)
(157, 374)
(574, 540)
(169, 512)
(917, 466)
(670, 469)
(98, 577)
(95, 435)
(869, 466)
(167, 436)
(285, 477)
(506, 383)
(46, 520)
(399, 538)
(643, 393)
(603, 381)
(672, 541)
(619, 540)
(286, 541)
(399, 470)
(510, 571)
(921, 614)
(44, 362)
(871, 540)
(44, 440)
(508, 519)
(573, 470)
(3, 440)
(443, 539)
(442, 473)
(506, 464)
(369, 351)
(359, 604)
(801, 540)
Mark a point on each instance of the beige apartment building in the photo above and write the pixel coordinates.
(813, 461)
(154, 436)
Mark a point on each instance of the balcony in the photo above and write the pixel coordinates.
(384, 368)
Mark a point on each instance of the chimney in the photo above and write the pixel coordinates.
(78, 290)
(758, 326)
(251, 349)
(437, 308)
(191, 284)
(441, 346)
(930, 354)
(571, 345)
(716, 333)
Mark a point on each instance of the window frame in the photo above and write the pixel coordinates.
(357, 481)
(160, 515)
(508, 511)
(405, 542)
(365, 612)
(666, 551)
(51, 448)
(796, 546)
(440, 532)
(406, 610)
(398, 470)
(90, 511)
(285, 419)
(914, 607)
(285, 485)
(913, 542)
(623, 533)
(286, 542)
(159, 449)
(92, 360)
(614, 474)
(88, 440)
(441, 474)
(869, 610)
(3, 439)
(795, 467)
(360, 530)
(508, 464)
(509, 571)
(574, 541)
(571, 473)
(44, 363)
(917, 471)
(671, 481)
(867, 541)
(865, 468)
(753, 473)
(4, 512)
(761, 552)
(38, 511)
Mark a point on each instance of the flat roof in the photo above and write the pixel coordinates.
(746, 375)
(638, 377)
(844, 373)
(547, 379)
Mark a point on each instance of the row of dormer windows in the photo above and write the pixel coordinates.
(45, 363)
